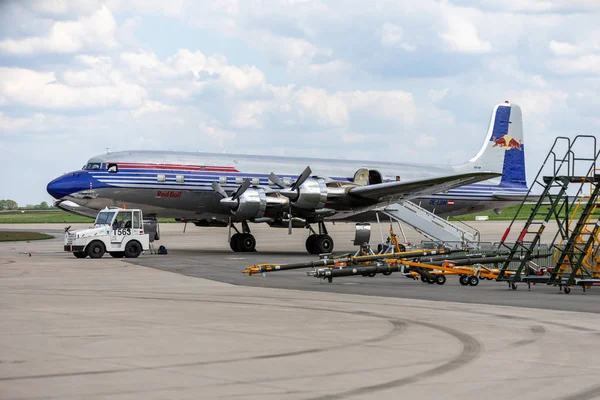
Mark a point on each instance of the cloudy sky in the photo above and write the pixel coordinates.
(391, 80)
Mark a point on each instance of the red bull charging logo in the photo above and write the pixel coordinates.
(507, 142)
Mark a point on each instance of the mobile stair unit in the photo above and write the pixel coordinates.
(430, 225)
(569, 168)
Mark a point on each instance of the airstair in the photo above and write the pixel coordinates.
(561, 180)
(430, 225)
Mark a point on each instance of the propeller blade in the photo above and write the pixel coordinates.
(277, 181)
(240, 191)
(303, 177)
(219, 189)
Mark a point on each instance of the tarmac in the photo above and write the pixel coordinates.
(193, 326)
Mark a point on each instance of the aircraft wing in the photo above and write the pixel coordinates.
(392, 191)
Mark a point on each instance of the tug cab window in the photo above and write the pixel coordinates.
(123, 220)
(113, 168)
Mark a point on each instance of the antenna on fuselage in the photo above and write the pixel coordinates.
(107, 150)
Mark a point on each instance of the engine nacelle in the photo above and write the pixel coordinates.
(253, 203)
(310, 195)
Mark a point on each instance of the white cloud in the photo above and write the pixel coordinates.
(41, 89)
(151, 107)
(249, 115)
(391, 35)
(393, 105)
(461, 35)
(95, 31)
(425, 141)
(584, 64)
(35, 123)
(437, 95)
(321, 107)
(328, 67)
(563, 48)
(217, 135)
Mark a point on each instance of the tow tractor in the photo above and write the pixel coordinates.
(117, 231)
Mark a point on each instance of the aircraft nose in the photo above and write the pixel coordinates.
(67, 184)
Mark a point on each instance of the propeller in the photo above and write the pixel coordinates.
(240, 191)
(277, 181)
(219, 189)
(290, 192)
(302, 178)
(232, 200)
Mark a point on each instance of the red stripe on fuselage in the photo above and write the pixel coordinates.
(178, 167)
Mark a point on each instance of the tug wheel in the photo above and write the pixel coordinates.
(133, 249)
(463, 280)
(567, 290)
(473, 280)
(95, 249)
(440, 279)
(513, 286)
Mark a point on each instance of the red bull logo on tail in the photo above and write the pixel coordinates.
(507, 142)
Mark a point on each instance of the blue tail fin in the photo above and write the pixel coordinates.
(503, 149)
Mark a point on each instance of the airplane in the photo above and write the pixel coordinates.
(212, 189)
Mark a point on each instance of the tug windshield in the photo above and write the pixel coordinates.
(105, 218)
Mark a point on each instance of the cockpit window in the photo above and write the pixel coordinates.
(113, 168)
(95, 165)
(105, 218)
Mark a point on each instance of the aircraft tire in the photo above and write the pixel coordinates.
(133, 249)
(117, 254)
(233, 242)
(80, 254)
(95, 249)
(323, 244)
(246, 242)
(310, 244)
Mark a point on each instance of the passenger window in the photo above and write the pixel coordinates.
(223, 180)
(179, 178)
(239, 180)
(161, 178)
(113, 168)
(255, 181)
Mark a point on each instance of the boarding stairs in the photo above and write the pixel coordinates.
(578, 255)
(564, 169)
(430, 225)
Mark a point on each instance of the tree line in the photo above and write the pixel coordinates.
(8, 205)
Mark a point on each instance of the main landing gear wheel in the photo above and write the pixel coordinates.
(318, 244)
(233, 242)
(567, 290)
(513, 286)
(245, 242)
